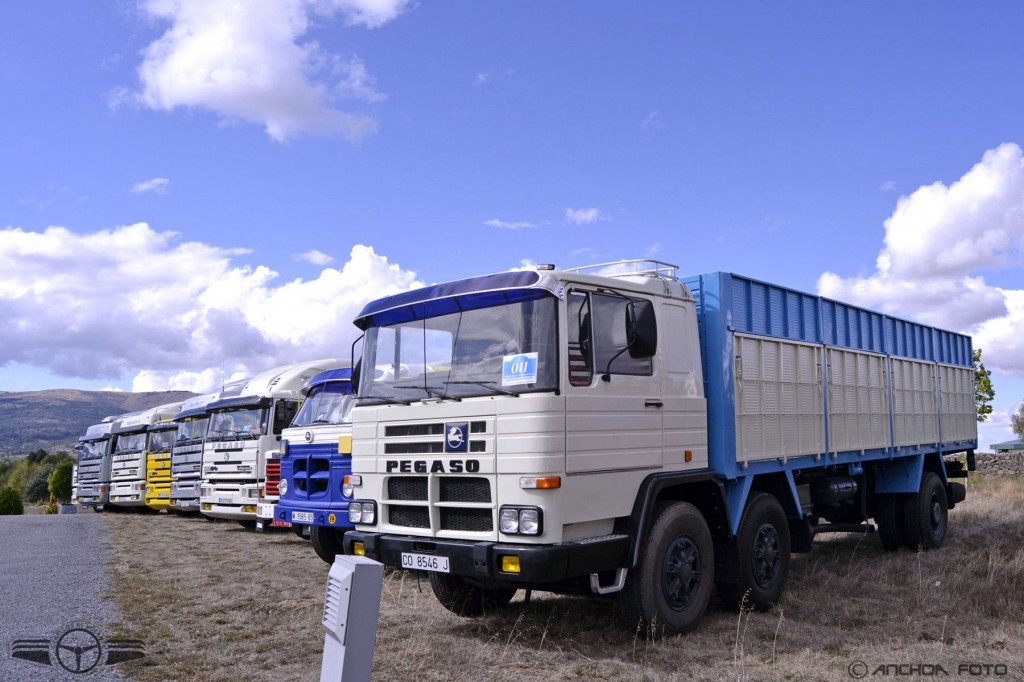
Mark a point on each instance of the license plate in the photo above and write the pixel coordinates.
(265, 511)
(425, 562)
(302, 517)
(223, 500)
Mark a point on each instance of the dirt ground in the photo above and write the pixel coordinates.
(214, 601)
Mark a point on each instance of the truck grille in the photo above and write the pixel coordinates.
(311, 470)
(412, 517)
(273, 478)
(477, 520)
(458, 489)
(408, 488)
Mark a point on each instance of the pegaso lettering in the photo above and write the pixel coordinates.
(437, 466)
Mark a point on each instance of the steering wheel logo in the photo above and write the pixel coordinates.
(78, 650)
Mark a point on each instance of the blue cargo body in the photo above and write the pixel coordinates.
(315, 459)
(731, 307)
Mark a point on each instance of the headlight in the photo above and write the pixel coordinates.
(520, 520)
(283, 486)
(509, 522)
(362, 511)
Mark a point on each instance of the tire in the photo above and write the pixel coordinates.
(669, 589)
(466, 600)
(926, 514)
(327, 542)
(889, 518)
(301, 530)
(250, 525)
(762, 555)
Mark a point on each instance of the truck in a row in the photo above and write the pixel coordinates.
(624, 431)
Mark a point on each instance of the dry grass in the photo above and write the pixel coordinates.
(254, 612)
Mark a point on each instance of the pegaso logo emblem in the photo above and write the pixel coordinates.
(77, 650)
(309, 436)
(227, 457)
(455, 437)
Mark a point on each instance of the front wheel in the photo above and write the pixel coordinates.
(889, 517)
(463, 599)
(669, 589)
(327, 542)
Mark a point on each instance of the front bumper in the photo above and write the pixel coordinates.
(323, 515)
(482, 560)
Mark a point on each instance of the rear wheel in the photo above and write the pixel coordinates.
(327, 542)
(889, 517)
(926, 514)
(463, 599)
(669, 590)
(762, 553)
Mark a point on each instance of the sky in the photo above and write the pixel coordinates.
(195, 190)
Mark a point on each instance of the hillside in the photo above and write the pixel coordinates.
(54, 419)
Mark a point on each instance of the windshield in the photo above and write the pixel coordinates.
(329, 403)
(161, 441)
(130, 442)
(505, 349)
(192, 430)
(241, 423)
(91, 449)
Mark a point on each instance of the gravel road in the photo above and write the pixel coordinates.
(53, 579)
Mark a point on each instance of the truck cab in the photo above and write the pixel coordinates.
(187, 454)
(93, 473)
(158, 464)
(130, 456)
(315, 459)
(244, 433)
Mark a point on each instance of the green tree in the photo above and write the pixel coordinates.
(37, 489)
(983, 391)
(36, 456)
(10, 502)
(59, 482)
(1017, 422)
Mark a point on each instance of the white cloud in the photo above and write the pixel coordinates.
(939, 243)
(158, 185)
(315, 257)
(506, 225)
(481, 78)
(245, 59)
(888, 186)
(583, 216)
(653, 121)
(135, 302)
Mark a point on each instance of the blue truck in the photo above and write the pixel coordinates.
(315, 459)
(621, 430)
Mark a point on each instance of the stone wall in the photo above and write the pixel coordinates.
(1005, 464)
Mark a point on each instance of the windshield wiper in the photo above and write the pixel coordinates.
(386, 399)
(484, 384)
(431, 391)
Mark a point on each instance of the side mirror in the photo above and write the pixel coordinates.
(356, 364)
(641, 329)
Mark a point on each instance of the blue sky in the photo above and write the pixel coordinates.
(194, 189)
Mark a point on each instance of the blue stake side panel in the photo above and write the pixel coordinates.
(728, 304)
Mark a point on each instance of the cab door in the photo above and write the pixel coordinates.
(613, 401)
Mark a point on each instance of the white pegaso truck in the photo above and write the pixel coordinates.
(243, 434)
(92, 476)
(624, 431)
(187, 454)
(130, 455)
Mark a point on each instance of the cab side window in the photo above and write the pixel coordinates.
(598, 336)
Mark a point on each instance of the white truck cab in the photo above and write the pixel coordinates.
(130, 455)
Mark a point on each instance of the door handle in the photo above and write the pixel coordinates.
(652, 402)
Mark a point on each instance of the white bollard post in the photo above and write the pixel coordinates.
(351, 608)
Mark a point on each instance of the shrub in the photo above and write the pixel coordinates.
(52, 507)
(37, 489)
(10, 502)
(59, 482)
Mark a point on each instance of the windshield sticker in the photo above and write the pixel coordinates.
(519, 369)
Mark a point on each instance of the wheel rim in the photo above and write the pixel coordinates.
(766, 557)
(681, 573)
